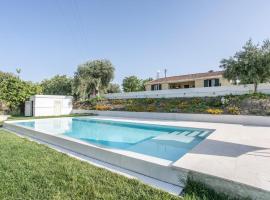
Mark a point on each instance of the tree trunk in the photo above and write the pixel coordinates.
(97, 88)
(255, 87)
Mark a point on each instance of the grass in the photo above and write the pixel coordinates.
(32, 171)
(198, 191)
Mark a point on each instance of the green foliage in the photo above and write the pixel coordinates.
(251, 65)
(92, 77)
(113, 88)
(14, 92)
(57, 85)
(144, 82)
(249, 104)
(132, 84)
(32, 171)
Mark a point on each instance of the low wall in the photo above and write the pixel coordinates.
(192, 92)
(230, 119)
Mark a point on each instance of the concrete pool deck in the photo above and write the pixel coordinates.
(234, 158)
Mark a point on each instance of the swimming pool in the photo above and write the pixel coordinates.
(164, 142)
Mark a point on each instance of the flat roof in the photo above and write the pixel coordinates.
(52, 96)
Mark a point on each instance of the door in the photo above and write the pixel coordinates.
(57, 109)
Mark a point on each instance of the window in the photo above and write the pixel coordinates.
(211, 82)
(186, 86)
(156, 87)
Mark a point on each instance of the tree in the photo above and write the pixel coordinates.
(144, 82)
(132, 84)
(113, 88)
(251, 65)
(92, 77)
(57, 85)
(14, 92)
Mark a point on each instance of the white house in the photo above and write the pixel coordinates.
(48, 105)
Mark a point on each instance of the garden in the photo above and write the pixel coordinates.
(249, 104)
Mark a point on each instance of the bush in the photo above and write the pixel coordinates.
(233, 110)
(14, 91)
(214, 111)
(230, 104)
(103, 107)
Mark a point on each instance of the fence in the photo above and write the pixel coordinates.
(192, 92)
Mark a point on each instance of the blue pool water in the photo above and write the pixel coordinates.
(166, 142)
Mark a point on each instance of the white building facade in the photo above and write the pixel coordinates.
(48, 105)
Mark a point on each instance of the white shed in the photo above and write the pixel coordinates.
(48, 105)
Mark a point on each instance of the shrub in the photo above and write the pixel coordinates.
(183, 105)
(233, 110)
(117, 101)
(214, 111)
(103, 107)
(151, 108)
(135, 108)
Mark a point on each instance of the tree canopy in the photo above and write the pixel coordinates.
(144, 82)
(92, 78)
(251, 65)
(113, 88)
(14, 91)
(132, 84)
(57, 85)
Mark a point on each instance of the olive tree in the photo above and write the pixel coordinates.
(251, 65)
(113, 88)
(92, 77)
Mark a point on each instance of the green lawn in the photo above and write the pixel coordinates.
(32, 171)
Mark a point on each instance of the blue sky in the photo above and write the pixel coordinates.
(45, 38)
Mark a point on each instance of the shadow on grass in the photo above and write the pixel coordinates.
(198, 191)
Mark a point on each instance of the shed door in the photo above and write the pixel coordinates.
(57, 107)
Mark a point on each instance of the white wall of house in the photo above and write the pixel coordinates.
(192, 92)
(48, 105)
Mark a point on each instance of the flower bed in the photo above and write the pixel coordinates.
(254, 104)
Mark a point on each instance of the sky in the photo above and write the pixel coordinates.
(139, 37)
